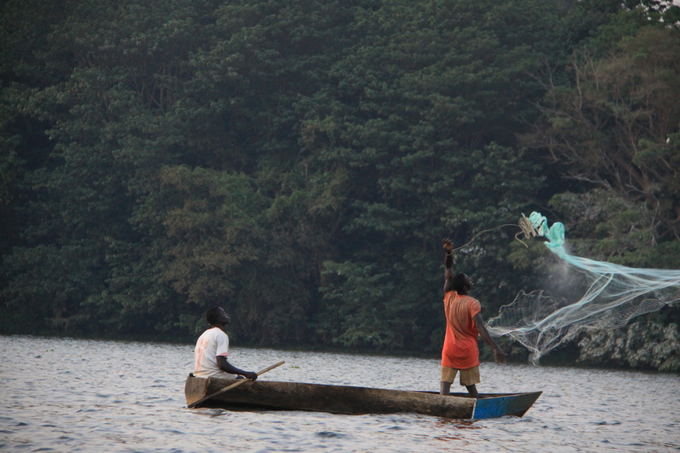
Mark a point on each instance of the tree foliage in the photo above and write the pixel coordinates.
(299, 162)
(616, 125)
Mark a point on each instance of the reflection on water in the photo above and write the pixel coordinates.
(456, 429)
(77, 395)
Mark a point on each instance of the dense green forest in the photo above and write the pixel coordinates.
(299, 162)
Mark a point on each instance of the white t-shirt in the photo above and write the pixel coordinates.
(211, 344)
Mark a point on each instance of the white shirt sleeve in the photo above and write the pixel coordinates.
(222, 347)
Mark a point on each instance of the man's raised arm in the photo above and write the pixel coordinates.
(448, 265)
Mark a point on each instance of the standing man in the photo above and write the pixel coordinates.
(212, 349)
(464, 324)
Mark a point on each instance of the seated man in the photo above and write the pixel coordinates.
(212, 349)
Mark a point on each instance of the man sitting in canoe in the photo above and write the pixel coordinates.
(464, 324)
(212, 349)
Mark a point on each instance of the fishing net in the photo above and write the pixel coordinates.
(605, 296)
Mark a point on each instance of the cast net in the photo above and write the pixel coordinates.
(604, 296)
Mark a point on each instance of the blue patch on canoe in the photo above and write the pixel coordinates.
(504, 405)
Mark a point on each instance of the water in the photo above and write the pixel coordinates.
(77, 395)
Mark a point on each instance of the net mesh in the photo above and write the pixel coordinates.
(610, 296)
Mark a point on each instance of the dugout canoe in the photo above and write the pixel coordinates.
(341, 399)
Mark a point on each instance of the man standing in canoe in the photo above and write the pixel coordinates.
(460, 353)
(212, 349)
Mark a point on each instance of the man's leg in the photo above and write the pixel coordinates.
(444, 388)
(470, 378)
(472, 390)
(447, 376)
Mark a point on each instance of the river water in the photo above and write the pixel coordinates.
(82, 395)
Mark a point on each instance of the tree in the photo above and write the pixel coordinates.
(615, 126)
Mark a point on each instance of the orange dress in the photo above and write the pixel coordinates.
(460, 350)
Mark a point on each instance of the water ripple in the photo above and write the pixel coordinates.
(143, 410)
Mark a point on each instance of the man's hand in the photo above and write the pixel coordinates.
(499, 355)
(250, 375)
(447, 245)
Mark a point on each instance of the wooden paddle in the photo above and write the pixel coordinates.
(234, 385)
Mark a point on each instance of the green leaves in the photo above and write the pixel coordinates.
(299, 162)
(360, 306)
(212, 226)
(613, 126)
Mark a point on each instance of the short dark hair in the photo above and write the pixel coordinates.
(461, 283)
(214, 315)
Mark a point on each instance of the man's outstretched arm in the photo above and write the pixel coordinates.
(498, 353)
(224, 365)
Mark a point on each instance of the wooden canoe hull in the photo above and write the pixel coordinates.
(341, 399)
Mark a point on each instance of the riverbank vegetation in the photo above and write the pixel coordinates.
(298, 162)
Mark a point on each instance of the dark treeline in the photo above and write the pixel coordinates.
(298, 162)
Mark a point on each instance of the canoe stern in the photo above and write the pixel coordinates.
(195, 388)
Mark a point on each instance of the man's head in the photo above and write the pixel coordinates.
(216, 316)
(461, 283)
